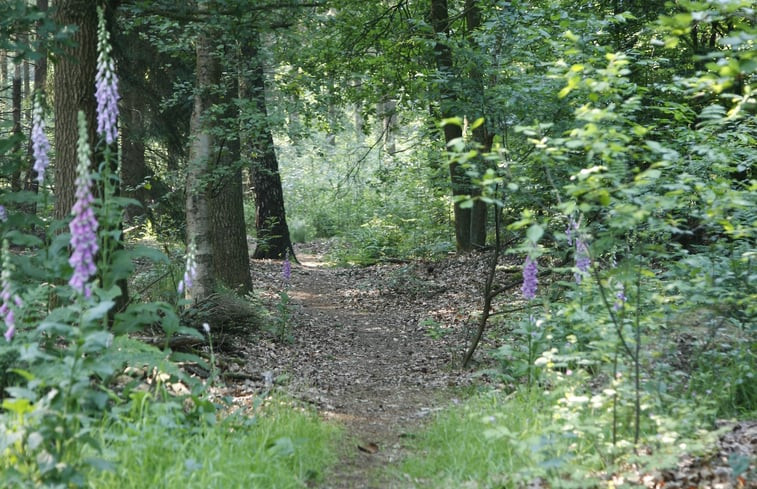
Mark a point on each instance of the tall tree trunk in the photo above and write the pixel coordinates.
(481, 136)
(201, 152)
(40, 82)
(74, 86)
(270, 215)
(231, 258)
(459, 180)
(3, 69)
(134, 169)
(387, 111)
(17, 133)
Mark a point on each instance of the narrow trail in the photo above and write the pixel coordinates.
(363, 356)
(376, 372)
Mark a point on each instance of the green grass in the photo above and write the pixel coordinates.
(561, 438)
(490, 441)
(282, 446)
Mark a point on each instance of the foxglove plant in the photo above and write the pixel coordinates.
(106, 84)
(286, 269)
(620, 298)
(40, 143)
(84, 225)
(583, 262)
(3, 214)
(190, 269)
(530, 279)
(581, 252)
(6, 304)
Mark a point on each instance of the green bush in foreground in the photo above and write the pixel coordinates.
(281, 446)
(510, 441)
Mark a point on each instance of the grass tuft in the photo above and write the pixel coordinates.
(282, 446)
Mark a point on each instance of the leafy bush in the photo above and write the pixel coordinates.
(652, 336)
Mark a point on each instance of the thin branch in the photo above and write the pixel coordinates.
(613, 317)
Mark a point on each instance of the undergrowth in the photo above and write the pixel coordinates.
(281, 445)
(555, 438)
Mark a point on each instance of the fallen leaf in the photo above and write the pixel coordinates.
(369, 448)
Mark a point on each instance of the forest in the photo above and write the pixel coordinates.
(400, 244)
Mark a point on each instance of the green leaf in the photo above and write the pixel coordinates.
(534, 233)
(282, 447)
(98, 312)
(97, 341)
(477, 123)
(20, 406)
(651, 174)
(457, 121)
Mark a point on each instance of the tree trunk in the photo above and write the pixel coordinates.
(481, 136)
(3, 69)
(459, 180)
(231, 258)
(387, 111)
(273, 239)
(74, 87)
(201, 152)
(17, 133)
(134, 169)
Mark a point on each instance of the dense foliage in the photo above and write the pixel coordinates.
(610, 150)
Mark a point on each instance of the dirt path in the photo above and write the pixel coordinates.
(363, 355)
(373, 368)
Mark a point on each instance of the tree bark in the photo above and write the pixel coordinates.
(201, 152)
(74, 86)
(16, 131)
(3, 69)
(134, 170)
(459, 180)
(231, 258)
(270, 214)
(481, 136)
(387, 111)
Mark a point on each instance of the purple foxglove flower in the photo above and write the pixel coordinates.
(40, 144)
(6, 311)
(621, 299)
(10, 325)
(571, 231)
(3, 214)
(84, 225)
(106, 84)
(190, 270)
(530, 280)
(286, 269)
(583, 262)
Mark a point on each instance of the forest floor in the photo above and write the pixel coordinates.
(377, 350)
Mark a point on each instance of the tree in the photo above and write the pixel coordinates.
(482, 137)
(440, 22)
(74, 91)
(231, 257)
(265, 181)
(202, 151)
